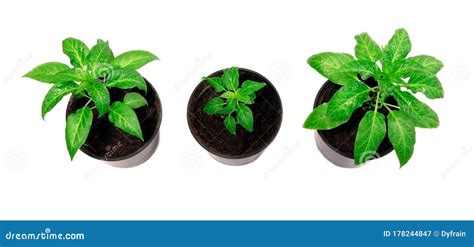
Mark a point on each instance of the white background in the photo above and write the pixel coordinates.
(291, 180)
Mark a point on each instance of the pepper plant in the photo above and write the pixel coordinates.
(94, 71)
(233, 100)
(397, 76)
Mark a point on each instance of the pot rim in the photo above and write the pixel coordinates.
(254, 151)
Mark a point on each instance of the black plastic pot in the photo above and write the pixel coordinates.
(337, 144)
(112, 145)
(244, 147)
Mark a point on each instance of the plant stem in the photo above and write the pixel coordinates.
(394, 106)
(388, 108)
(377, 100)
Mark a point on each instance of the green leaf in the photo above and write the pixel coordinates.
(244, 98)
(347, 99)
(216, 83)
(134, 100)
(417, 64)
(320, 120)
(124, 118)
(55, 94)
(77, 52)
(423, 115)
(215, 106)
(250, 86)
(78, 125)
(367, 49)
(126, 79)
(386, 86)
(73, 74)
(133, 59)
(230, 106)
(365, 69)
(398, 47)
(370, 133)
(103, 71)
(245, 117)
(228, 95)
(45, 72)
(401, 132)
(230, 124)
(231, 78)
(100, 53)
(428, 84)
(328, 65)
(428, 63)
(100, 95)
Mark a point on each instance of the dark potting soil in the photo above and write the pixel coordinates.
(210, 132)
(107, 142)
(342, 138)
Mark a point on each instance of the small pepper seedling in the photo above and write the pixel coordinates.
(233, 101)
(396, 76)
(93, 72)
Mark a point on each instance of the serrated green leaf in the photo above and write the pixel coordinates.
(77, 52)
(46, 72)
(401, 132)
(250, 86)
(398, 47)
(423, 115)
(320, 120)
(370, 133)
(134, 100)
(126, 79)
(216, 83)
(328, 64)
(231, 78)
(245, 117)
(133, 59)
(347, 99)
(230, 124)
(55, 94)
(125, 118)
(100, 53)
(367, 49)
(428, 84)
(78, 125)
(100, 96)
(215, 106)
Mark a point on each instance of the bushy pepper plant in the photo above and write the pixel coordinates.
(397, 76)
(93, 72)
